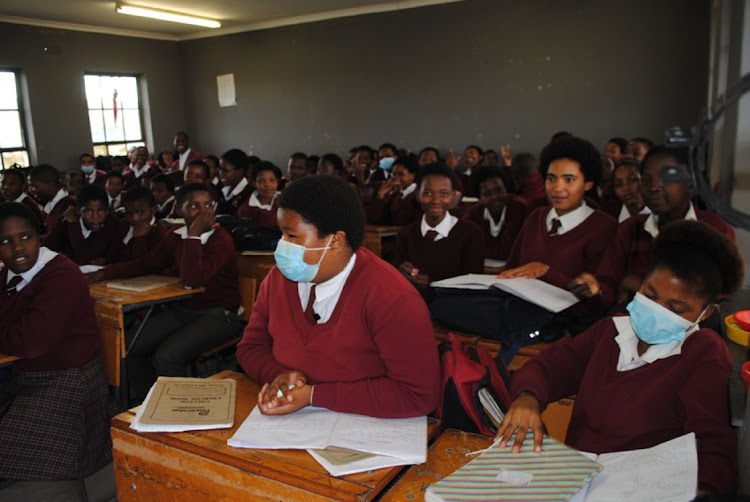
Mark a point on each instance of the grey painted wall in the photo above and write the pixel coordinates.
(481, 71)
(55, 84)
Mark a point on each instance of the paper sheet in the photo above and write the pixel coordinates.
(341, 463)
(87, 269)
(225, 85)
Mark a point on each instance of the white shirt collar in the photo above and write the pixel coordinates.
(130, 233)
(140, 172)
(167, 202)
(625, 214)
(60, 195)
(183, 159)
(443, 228)
(230, 192)
(84, 230)
(91, 177)
(183, 232)
(569, 220)
(495, 228)
(467, 172)
(651, 225)
(628, 343)
(116, 200)
(254, 202)
(45, 255)
(327, 293)
(406, 191)
(21, 197)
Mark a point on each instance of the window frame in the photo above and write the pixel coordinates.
(21, 118)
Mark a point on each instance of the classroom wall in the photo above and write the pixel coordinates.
(54, 84)
(480, 71)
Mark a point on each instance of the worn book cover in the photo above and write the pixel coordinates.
(143, 283)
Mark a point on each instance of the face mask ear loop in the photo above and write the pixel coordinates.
(698, 320)
(325, 249)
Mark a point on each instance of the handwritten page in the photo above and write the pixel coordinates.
(667, 472)
(319, 428)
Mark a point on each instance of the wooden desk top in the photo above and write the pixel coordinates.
(444, 456)
(256, 253)
(101, 292)
(293, 470)
(5, 359)
(383, 229)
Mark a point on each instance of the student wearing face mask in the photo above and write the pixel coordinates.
(650, 376)
(334, 326)
(91, 175)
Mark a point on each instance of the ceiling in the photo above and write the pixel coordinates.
(236, 16)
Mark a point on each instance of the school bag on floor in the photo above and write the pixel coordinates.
(476, 388)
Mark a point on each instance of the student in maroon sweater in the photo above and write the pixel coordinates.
(396, 202)
(627, 190)
(337, 322)
(474, 159)
(235, 189)
(263, 202)
(87, 236)
(54, 406)
(45, 185)
(649, 377)
(439, 245)
(528, 182)
(198, 171)
(498, 213)
(140, 169)
(13, 189)
(202, 255)
(140, 231)
(162, 186)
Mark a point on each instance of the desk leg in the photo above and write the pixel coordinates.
(124, 382)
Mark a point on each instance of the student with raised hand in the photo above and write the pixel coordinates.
(202, 255)
(45, 185)
(87, 234)
(439, 245)
(263, 202)
(396, 202)
(55, 408)
(650, 376)
(626, 186)
(498, 213)
(13, 189)
(140, 231)
(235, 188)
(334, 320)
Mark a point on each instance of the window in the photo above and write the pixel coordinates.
(12, 137)
(114, 113)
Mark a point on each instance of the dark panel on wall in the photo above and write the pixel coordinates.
(481, 71)
(55, 83)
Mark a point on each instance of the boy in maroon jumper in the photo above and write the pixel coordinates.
(162, 186)
(638, 386)
(235, 189)
(140, 231)
(202, 254)
(263, 202)
(45, 185)
(54, 407)
(87, 236)
(13, 189)
(89, 173)
(334, 320)
(140, 168)
(498, 213)
(396, 202)
(474, 159)
(113, 184)
(439, 245)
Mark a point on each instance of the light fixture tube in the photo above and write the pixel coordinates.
(166, 16)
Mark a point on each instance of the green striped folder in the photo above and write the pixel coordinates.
(559, 472)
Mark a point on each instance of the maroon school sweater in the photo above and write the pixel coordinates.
(212, 266)
(29, 202)
(56, 215)
(232, 205)
(67, 238)
(137, 247)
(462, 252)
(264, 217)
(627, 410)
(568, 254)
(498, 248)
(375, 356)
(630, 253)
(50, 324)
(394, 209)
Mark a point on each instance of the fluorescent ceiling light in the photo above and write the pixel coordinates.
(166, 15)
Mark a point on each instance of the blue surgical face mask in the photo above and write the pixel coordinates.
(87, 169)
(386, 162)
(655, 324)
(290, 260)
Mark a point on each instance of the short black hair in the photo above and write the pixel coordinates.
(409, 162)
(253, 160)
(166, 179)
(114, 174)
(475, 147)
(90, 193)
(366, 148)
(640, 139)
(335, 160)
(560, 134)
(701, 256)
(575, 149)
(45, 173)
(679, 154)
(486, 172)
(20, 210)
(622, 143)
(436, 169)
(213, 158)
(299, 156)
(430, 149)
(139, 193)
(183, 133)
(86, 155)
(627, 163)
(266, 166)
(388, 145)
(202, 165)
(14, 173)
(329, 204)
(237, 158)
(187, 189)
(525, 165)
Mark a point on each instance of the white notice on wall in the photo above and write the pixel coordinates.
(225, 85)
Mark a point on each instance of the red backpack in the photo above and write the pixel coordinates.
(475, 387)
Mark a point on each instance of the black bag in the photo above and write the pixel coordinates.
(248, 235)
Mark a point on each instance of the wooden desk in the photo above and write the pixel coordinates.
(110, 305)
(374, 235)
(252, 267)
(5, 359)
(199, 465)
